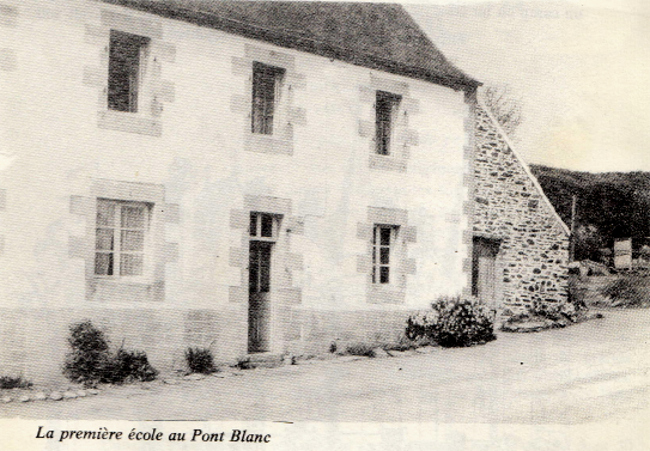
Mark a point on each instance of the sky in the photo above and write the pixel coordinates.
(580, 70)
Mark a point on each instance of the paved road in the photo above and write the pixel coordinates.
(593, 371)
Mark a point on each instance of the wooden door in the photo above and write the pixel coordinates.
(259, 288)
(485, 278)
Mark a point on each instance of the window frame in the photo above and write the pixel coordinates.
(378, 265)
(387, 106)
(266, 93)
(117, 252)
(134, 69)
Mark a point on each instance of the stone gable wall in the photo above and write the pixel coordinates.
(509, 206)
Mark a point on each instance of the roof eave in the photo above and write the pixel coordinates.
(209, 20)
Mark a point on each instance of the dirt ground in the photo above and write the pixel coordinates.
(597, 370)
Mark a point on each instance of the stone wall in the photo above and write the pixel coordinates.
(510, 207)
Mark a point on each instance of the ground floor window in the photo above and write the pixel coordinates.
(120, 237)
(384, 239)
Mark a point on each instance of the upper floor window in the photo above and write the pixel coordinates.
(386, 106)
(121, 234)
(384, 239)
(125, 70)
(267, 81)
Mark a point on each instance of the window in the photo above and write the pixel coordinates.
(267, 81)
(125, 69)
(384, 238)
(385, 113)
(121, 234)
(264, 225)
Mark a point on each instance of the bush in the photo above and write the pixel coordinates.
(8, 382)
(545, 310)
(129, 366)
(577, 291)
(421, 326)
(463, 323)
(90, 361)
(199, 360)
(542, 315)
(628, 291)
(552, 315)
(453, 322)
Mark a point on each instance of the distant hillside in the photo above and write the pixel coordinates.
(610, 205)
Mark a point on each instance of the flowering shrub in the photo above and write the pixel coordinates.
(453, 322)
(421, 325)
(463, 322)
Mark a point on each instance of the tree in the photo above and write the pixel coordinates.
(505, 107)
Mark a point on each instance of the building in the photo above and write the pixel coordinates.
(249, 177)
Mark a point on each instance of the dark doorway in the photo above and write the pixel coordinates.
(259, 288)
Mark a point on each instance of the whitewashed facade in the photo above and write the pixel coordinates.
(140, 219)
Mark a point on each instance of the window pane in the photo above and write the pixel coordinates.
(265, 269)
(253, 269)
(385, 235)
(263, 99)
(132, 240)
(383, 274)
(104, 240)
(131, 264)
(266, 82)
(374, 274)
(267, 225)
(104, 264)
(253, 224)
(133, 217)
(384, 255)
(383, 138)
(385, 108)
(105, 213)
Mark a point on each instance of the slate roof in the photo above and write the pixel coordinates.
(376, 35)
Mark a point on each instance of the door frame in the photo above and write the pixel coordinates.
(494, 245)
(274, 241)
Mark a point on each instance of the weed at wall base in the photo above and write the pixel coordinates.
(9, 382)
(200, 360)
